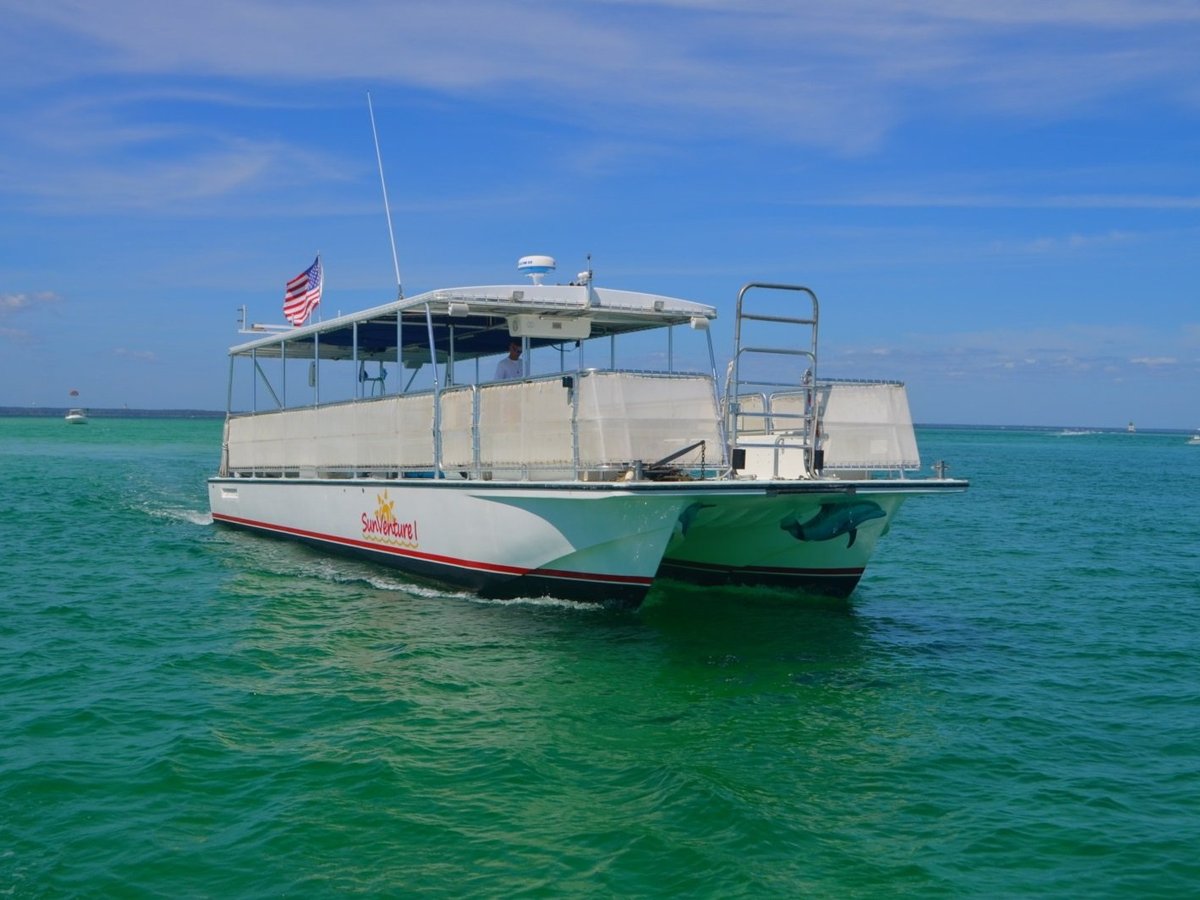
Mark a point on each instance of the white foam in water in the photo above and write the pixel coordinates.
(554, 602)
(417, 590)
(340, 571)
(280, 558)
(426, 591)
(192, 516)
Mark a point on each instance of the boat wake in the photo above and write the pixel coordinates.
(179, 514)
(416, 589)
(544, 602)
(342, 572)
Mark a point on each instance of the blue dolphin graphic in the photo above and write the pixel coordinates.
(833, 519)
(685, 519)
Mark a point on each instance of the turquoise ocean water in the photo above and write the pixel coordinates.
(1009, 705)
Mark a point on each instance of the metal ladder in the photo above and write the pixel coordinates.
(807, 436)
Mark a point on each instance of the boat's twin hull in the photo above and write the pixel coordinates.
(816, 543)
(586, 542)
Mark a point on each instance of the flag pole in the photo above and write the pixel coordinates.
(386, 208)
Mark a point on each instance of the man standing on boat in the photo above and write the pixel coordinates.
(510, 366)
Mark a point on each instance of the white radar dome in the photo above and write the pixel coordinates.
(536, 267)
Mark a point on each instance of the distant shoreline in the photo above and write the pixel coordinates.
(57, 412)
(52, 412)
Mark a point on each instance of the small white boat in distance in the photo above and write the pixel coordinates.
(612, 453)
(76, 416)
(1195, 439)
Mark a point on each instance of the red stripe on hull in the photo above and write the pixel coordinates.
(438, 559)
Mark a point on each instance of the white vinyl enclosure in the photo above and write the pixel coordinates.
(404, 390)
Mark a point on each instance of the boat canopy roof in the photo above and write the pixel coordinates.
(480, 321)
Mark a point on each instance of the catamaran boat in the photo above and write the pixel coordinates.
(76, 417)
(618, 454)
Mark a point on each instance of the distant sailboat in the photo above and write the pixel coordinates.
(1131, 428)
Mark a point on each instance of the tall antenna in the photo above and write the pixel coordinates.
(386, 208)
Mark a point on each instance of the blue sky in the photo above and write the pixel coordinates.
(998, 203)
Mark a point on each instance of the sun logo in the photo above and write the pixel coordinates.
(384, 508)
(382, 528)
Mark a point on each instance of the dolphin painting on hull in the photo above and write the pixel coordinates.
(832, 520)
(686, 517)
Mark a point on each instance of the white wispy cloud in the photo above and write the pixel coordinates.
(185, 181)
(18, 302)
(1071, 243)
(15, 336)
(1067, 352)
(836, 75)
(934, 200)
(107, 153)
(147, 356)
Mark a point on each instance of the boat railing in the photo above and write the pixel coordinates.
(866, 429)
(590, 425)
(758, 413)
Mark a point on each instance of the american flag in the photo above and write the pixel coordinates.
(303, 294)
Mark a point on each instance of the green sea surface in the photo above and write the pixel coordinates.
(1009, 704)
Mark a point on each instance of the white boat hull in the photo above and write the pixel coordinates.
(584, 542)
(567, 541)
